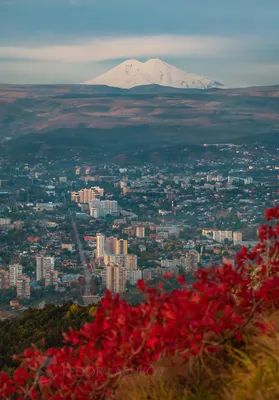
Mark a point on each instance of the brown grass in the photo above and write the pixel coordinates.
(249, 371)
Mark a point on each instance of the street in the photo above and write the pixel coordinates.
(86, 271)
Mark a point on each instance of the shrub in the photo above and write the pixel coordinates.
(179, 326)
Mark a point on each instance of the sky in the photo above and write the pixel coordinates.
(71, 41)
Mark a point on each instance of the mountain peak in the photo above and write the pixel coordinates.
(132, 61)
(131, 73)
(154, 60)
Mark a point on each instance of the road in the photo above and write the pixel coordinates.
(86, 270)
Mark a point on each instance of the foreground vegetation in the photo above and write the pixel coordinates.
(44, 328)
(243, 371)
(216, 340)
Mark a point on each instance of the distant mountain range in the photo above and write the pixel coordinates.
(133, 73)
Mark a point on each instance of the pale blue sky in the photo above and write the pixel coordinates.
(70, 41)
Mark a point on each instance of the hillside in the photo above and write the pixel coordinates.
(49, 324)
(149, 118)
(215, 340)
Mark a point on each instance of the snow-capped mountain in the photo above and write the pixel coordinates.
(132, 73)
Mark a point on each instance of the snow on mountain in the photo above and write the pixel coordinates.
(132, 73)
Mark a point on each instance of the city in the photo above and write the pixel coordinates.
(68, 233)
(139, 200)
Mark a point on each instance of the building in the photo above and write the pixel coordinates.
(220, 236)
(248, 181)
(14, 303)
(4, 279)
(117, 259)
(108, 207)
(75, 197)
(23, 290)
(110, 244)
(237, 238)
(131, 262)
(15, 273)
(87, 195)
(140, 232)
(62, 179)
(94, 212)
(206, 232)
(178, 262)
(100, 246)
(152, 273)
(51, 278)
(101, 208)
(47, 206)
(121, 246)
(5, 221)
(191, 261)
(132, 276)
(43, 266)
(116, 278)
(68, 246)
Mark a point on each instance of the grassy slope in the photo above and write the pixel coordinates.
(246, 372)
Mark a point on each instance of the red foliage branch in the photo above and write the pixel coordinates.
(125, 339)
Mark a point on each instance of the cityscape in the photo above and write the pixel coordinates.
(139, 200)
(68, 233)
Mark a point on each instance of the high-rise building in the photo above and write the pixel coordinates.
(87, 195)
(100, 246)
(51, 278)
(117, 259)
(44, 265)
(121, 246)
(133, 276)
(131, 262)
(114, 206)
(140, 232)
(116, 278)
(110, 244)
(23, 287)
(191, 261)
(98, 190)
(15, 274)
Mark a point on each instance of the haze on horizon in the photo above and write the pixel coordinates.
(70, 41)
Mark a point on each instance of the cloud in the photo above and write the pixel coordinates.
(109, 48)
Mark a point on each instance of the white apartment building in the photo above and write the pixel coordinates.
(43, 266)
(100, 246)
(177, 262)
(132, 276)
(140, 232)
(15, 272)
(220, 236)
